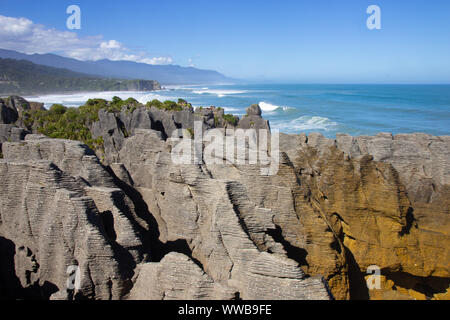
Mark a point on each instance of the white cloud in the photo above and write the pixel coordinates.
(14, 27)
(21, 34)
(111, 44)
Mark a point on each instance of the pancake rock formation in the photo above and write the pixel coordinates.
(137, 225)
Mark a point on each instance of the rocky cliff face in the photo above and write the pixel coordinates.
(384, 200)
(141, 226)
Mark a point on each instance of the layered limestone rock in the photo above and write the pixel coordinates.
(162, 281)
(72, 211)
(216, 221)
(115, 128)
(11, 114)
(147, 226)
(418, 263)
(61, 210)
(11, 133)
(8, 113)
(253, 119)
(385, 199)
(14, 107)
(335, 214)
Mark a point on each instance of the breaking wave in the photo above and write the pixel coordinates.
(268, 107)
(306, 123)
(219, 93)
(78, 99)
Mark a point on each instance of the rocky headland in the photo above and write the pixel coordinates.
(97, 188)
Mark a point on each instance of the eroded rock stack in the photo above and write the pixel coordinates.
(140, 226)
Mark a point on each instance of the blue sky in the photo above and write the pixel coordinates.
(301, 41)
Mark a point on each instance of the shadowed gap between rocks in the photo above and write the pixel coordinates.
(158, 126)
(356, 280)
(297, 254)
(10, 286)
(428, 286)
(156, 249)
(410, 222)
(108, 222)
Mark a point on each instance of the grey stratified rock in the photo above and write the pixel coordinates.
(53, 226)
(62, 209)
(223, 230)
(217, 221)
(11, 133)
(109, 127)
(211, 116)
(177, 277)
(253, 119)
(72, 157)
(121, 172)
(422, 161)
(115, 128)
(8, 113)
(254, 110)
(18, 106)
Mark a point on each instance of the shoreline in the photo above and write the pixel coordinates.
(232, 110)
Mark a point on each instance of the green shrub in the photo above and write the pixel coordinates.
(117, 104)
(154, 103)
(58, 109)
(68, 123)
(166, 105)
(172, 106)
(130, 101)
(92, 102)
(116, 100)
(233, 120)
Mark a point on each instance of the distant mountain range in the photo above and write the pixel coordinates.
(165, 74)
(20, 77)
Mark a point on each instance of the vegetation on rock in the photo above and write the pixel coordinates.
(168, 105)
(75, 123)
(231, 119)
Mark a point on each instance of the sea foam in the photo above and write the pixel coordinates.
(268, 107)
(305, 123)
(219, 93)
(78, 99)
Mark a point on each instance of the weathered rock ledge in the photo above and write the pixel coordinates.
(139, 226)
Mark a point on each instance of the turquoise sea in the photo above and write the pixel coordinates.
(328, 109)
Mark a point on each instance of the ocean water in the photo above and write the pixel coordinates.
(328, 109)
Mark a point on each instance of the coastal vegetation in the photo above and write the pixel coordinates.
(66, 123)
(231, 119)
(73, 123)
